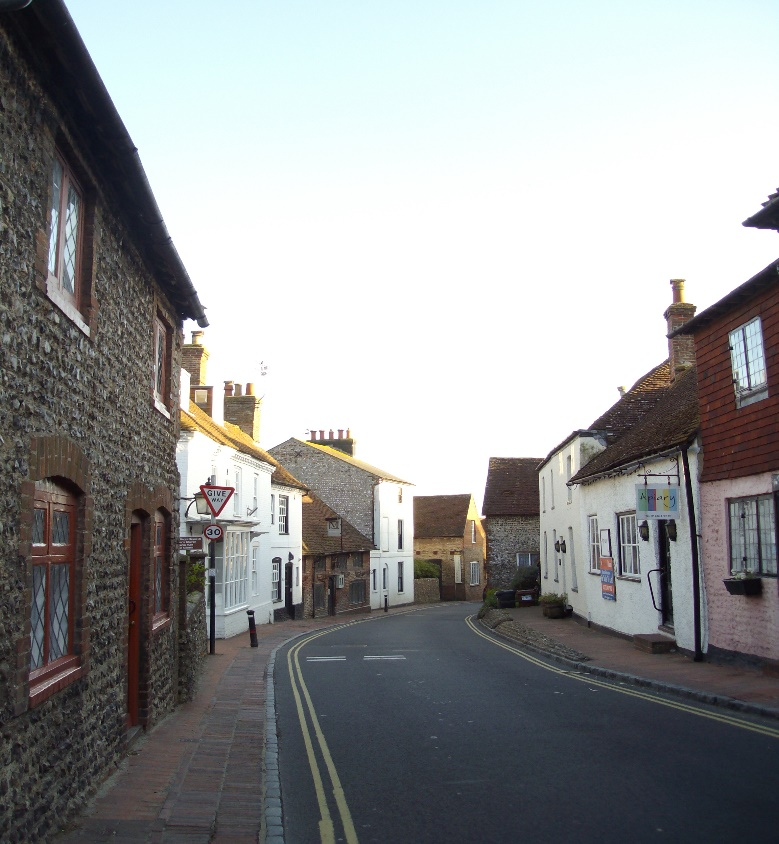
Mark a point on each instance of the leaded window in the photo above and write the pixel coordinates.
(752, 535)
(748, 359)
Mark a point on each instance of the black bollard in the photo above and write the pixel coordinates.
(252, 628)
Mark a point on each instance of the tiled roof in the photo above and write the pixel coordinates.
(635, 404)
(353, 461)
(670, 422)
(231, 435)
(315, 538)
(512, 487)
(768, 216)
(767, 277)
(440, 515)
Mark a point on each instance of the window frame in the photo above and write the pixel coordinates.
(740, 360)
(50, 675)
(627, 525)
(162, 347)
(475, 567)
(457, 562)
(401, 580)
(160, 573)
(400, 534)
(760, 531)
(275, 580)
(235, 573)
(594, 543)
(283, 521)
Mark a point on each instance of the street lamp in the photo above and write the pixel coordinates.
(201, 505)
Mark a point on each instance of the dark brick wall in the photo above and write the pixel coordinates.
(78, 407)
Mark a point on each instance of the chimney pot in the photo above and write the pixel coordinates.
(348, 433)
(321, 434)
(250, 389)
(197, 338)
(340, 433)
(229, 385)
(678, 290)
(332, 434)
(239, 389)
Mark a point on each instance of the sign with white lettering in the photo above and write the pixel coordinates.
(217, 496)
(657, 502)
(608, 586)
(190, 543)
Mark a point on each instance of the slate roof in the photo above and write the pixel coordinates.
(512, 487)
(768, 216)
(670, 422)
(231, 435)
(440, 515)
(353, 461)
(315, 538)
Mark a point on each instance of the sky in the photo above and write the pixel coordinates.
(447, 226)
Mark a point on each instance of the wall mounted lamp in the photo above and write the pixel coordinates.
(643, 530)
(557, 546)
(201, 505)
(562, 545)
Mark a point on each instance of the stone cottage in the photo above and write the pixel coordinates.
(511, 517)
(92, 301)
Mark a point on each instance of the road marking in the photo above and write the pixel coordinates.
(299, 688)
(384, 657)
(731, 720)
(325, 658)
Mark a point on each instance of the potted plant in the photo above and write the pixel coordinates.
(553, 604)
(743, 582)
(525, 584)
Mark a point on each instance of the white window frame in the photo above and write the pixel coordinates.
(284, 514)
(568, 476)
(400, 534)
(546, 557)
(272, 509)
(594, 542)
(237, 493)
(401, 581)
(255, 573)
(473, 531)
(475, 573)
(458, 568)
(275, 580)
(572, 557)
(748, 364)
(629, 556)
(374, 581)
(236, 545)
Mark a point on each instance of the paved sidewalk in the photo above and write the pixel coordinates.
(200, 775)
(574, 644)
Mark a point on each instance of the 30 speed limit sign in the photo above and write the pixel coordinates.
(213, 532)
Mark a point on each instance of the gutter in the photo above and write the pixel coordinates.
(696, 583)
(91, 100)
(624, 470)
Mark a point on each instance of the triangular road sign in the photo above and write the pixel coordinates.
(217, 496)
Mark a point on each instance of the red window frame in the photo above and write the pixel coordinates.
(160, 573)
(50, 500)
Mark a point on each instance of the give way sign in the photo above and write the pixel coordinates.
(217, 496)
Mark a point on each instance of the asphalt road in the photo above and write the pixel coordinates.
(421, 727)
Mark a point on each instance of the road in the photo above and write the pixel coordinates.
(423, 727)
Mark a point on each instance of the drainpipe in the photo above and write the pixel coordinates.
(696, 582)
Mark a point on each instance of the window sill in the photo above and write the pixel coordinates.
(595, 572)
(65, 304)
(160, 622)
(630, 578)
(161, 408)
(50, 684)
(745, 399)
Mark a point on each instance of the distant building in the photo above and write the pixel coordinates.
(448, 533)
(377, 504)
(511, 517)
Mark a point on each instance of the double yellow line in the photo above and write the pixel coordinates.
(741, 723)
(301, 695)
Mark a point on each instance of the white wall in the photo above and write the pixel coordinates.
(388, 559)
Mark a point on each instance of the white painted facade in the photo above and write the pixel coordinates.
(634, 610)
(245, 572)
(561, 519)
(392, 562)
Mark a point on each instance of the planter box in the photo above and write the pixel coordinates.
(554, 610)
(527, 597)
(744, 586)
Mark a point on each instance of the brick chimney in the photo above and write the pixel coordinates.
(194, 358)
(243, 408)
(346, 444)
(681, 349)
